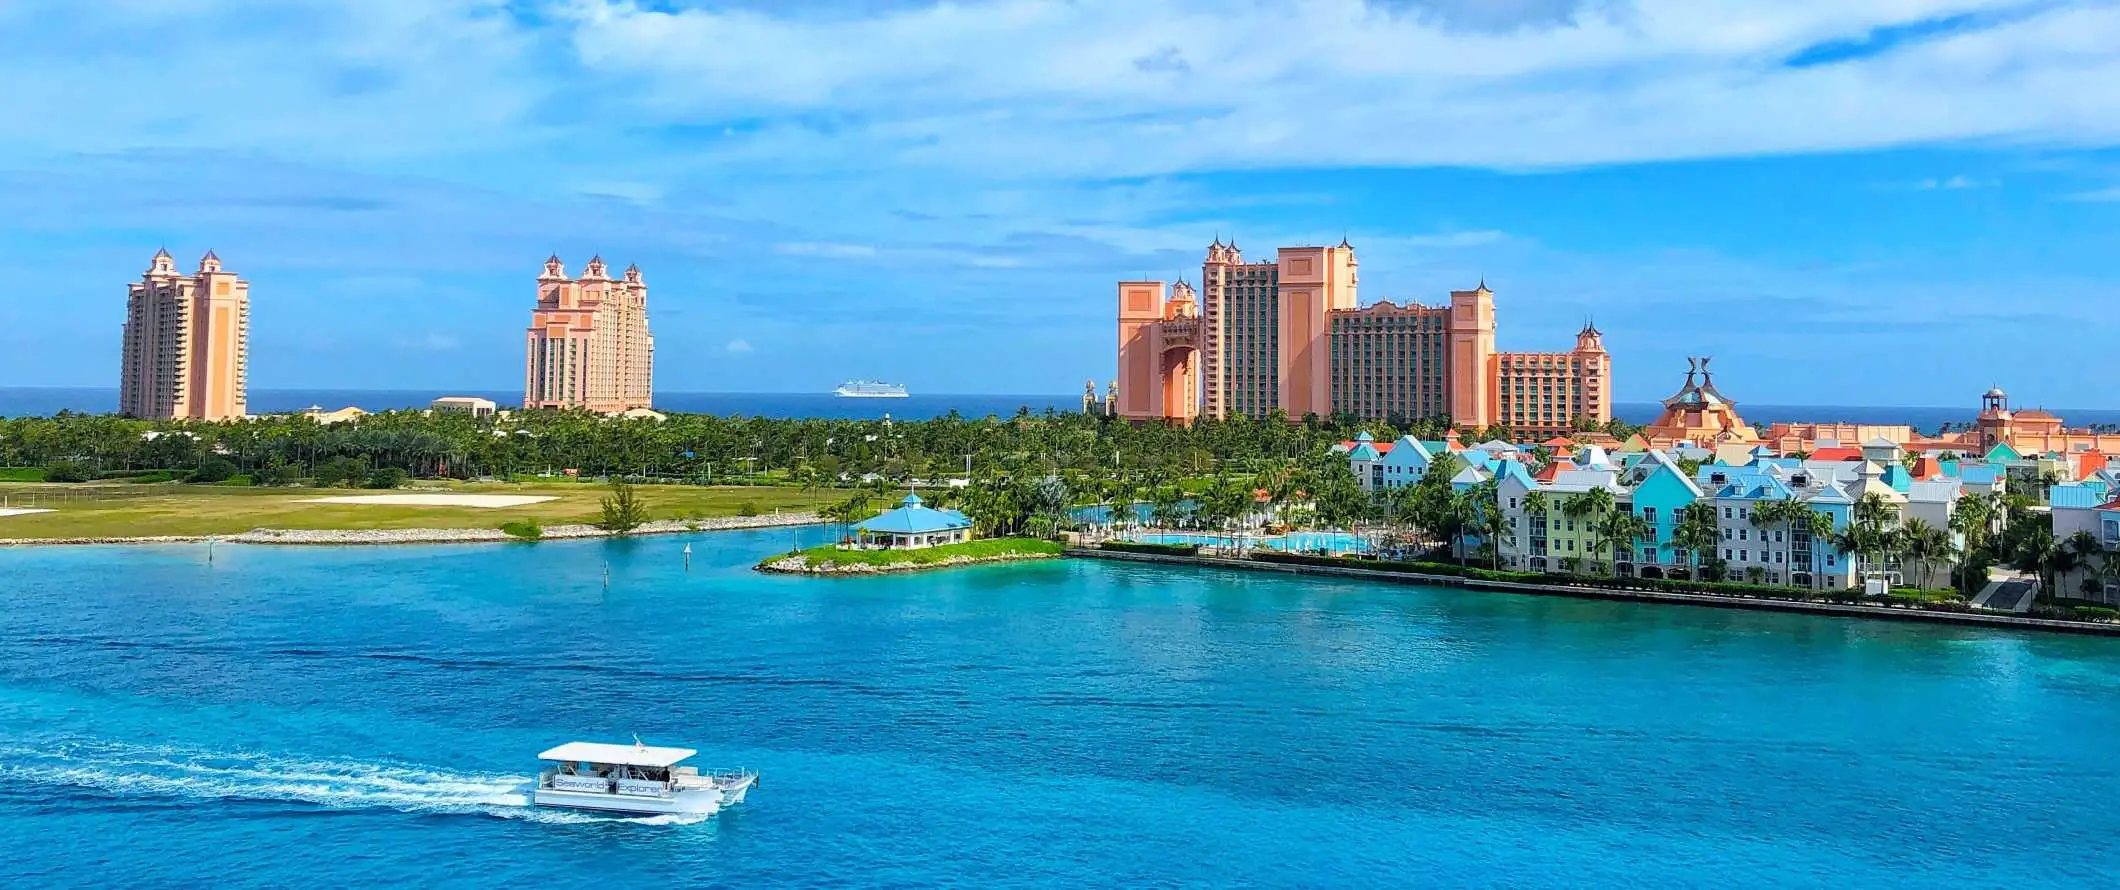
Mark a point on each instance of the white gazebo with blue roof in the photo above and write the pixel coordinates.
(914, 525)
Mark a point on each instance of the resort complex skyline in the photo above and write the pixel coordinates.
(1291, 335)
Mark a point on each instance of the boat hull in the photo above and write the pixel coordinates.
(695, 802)
(874, 395)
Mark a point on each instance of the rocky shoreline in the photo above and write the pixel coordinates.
(797, 565)
(337, 537)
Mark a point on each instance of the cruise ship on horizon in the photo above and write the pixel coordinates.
(870, 389)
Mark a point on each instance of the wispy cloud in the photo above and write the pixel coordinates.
(830, 251)
(2098, 195)
(1954, 183)
(432, 341)
(738, 347)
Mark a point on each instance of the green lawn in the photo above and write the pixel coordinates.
(120, 509)
(830, 555)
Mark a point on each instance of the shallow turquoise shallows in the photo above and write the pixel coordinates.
(352, 717)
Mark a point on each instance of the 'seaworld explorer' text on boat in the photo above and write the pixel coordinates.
(635, 778)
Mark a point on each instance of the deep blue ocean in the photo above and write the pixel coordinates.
(364, 717)
(30, 401)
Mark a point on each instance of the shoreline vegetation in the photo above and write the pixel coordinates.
(831, 560)
(1917, 605)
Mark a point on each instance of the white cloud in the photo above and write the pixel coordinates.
(2098, 195)
(326, 78)
(825, 249)
(739, 347)
(433, 341)
(1356, 85)
(1954, 183)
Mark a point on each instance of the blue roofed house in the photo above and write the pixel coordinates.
(913, 525)
(1382, 466)
(1408, 461)
(1660, 492)
(1783, 553)
(2085, 507)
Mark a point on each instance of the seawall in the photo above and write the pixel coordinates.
(1715, 601)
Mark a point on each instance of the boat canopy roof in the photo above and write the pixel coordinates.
(618, 755)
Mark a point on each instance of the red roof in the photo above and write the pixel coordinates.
(1559, 442)
(1837, 453)
(2089, 463)
(1381, 447)
(1927, 467)
(1552, 470)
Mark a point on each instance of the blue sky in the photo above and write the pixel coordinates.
(1843, 201)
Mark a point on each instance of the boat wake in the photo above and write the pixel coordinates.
(135, 770)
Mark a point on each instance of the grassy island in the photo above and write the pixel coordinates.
(830, 560)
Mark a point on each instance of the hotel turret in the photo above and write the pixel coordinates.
(187, 342)
(1288, 334)
(589, 345)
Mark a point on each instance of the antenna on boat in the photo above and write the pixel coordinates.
(637, 743)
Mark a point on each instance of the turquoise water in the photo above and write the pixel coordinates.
(356, 717)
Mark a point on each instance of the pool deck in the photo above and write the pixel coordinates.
(1717, 601)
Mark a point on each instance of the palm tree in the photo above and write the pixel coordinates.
(1537, 515)
(1621, 527)
(1492, 525)
(1696, 534)
(1590, 508)
(1819, 527)
(2085, 552)
(1922, 544)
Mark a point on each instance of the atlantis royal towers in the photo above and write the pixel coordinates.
(1287, 334)
(589, 345)
(187, 343)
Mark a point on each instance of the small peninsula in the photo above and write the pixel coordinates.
(832, 559)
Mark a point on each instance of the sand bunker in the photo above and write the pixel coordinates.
(437, 500)
(22, 511)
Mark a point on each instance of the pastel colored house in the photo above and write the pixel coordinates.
(1662, 492)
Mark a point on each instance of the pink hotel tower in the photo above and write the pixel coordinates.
(1287, 334)
(187, 343)
(589, 345)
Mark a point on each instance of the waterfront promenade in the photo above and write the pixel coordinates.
(1711, 600)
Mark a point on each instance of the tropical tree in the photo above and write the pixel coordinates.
(1696, 535)
(1538, 509)
(1621, 528)
(1923, 545)
(622, 509)
(1590, 509)
(1493, 527)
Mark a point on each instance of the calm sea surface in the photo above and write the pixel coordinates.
(363, 717)
(29, 401)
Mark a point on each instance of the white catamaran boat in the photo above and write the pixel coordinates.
(870, 389)
(635, 778)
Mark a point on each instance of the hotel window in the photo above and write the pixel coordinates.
(1744, 556)
(1726, 555)
(1726, 535)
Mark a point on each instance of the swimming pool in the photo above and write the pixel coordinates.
(1336, 542)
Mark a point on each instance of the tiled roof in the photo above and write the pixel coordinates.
(1836, 454)
(2077, 496)
(915, 518)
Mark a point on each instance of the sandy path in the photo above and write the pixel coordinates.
(436, 500)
